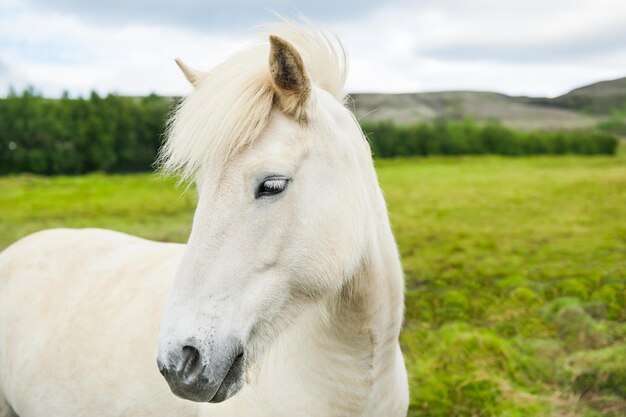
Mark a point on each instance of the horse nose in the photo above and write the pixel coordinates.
(188, 364)
(202, 377)
(183, 370)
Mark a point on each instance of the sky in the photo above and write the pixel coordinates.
(517, 47)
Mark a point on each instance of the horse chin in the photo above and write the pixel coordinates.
(227, 390)
(202, 391)
(232, 383)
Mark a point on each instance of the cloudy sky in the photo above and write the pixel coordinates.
(519, 47)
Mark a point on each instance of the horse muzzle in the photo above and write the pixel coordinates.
(200, 374)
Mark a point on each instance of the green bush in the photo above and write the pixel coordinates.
(123, 134)
(74, 136)
(445, 137)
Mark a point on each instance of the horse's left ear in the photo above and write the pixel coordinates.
(292, 87)
(192, 75)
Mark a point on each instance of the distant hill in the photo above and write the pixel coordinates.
(581, 108)
(598, 98)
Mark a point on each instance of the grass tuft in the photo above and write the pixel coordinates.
(515, 271)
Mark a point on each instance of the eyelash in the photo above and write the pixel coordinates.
(271, 186)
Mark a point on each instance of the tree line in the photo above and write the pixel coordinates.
(123, 134)
(446, 137)
(75, 136)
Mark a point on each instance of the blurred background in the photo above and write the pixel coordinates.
(498, 132)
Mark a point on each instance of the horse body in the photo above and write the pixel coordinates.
(287, 299)
(79, 313)
(77, 338)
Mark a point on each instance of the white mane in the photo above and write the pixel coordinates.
(231, 104)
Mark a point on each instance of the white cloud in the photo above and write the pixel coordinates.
(518, 47)
(56, 52)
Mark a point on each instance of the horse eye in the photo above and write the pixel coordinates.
(271, 186)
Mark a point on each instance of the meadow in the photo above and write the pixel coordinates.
(515, 271)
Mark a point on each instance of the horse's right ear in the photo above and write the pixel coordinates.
(289, 79)
(192, 75)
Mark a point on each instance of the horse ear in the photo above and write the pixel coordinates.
(192, 75)
(289, 79)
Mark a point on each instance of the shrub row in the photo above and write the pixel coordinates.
(74, 136)
(445, 137)
(123, 134)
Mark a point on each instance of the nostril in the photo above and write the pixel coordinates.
(191, 364)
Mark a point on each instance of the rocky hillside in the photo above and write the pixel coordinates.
(581, 108)
(598, 98)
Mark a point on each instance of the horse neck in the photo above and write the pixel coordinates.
(343, 354)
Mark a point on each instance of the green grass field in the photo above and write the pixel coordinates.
(515, 271)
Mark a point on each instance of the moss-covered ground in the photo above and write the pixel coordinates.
(515, 271)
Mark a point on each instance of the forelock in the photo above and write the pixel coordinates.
(231, 105)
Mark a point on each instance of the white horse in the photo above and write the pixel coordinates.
(286, 301)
